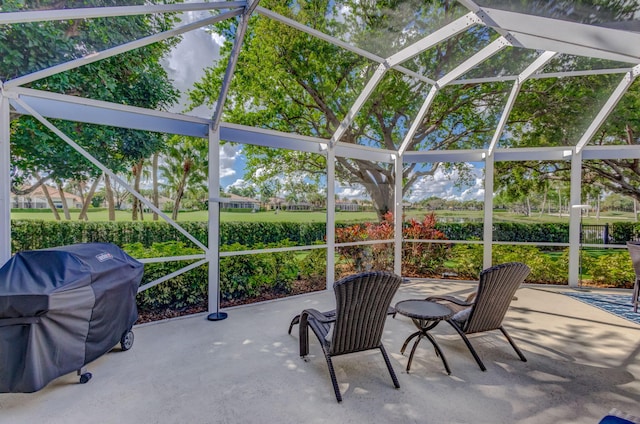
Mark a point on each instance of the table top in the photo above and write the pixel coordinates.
(423, 309)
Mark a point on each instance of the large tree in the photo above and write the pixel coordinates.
(290, 81)
(556, 112)
(133, 78)
(293, 82)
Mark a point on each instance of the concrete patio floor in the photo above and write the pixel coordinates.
(582, 362)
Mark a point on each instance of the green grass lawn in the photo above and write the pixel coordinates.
(281, 216)
(320, 216)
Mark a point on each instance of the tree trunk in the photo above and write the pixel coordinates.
(179, 194)
(544, 201)
(109, 196)
(47, 196)
(88, 198)
(528, 206)
(65, 207)
(154, 177)
(137, 176)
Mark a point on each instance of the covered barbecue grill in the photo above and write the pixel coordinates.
(62, 308)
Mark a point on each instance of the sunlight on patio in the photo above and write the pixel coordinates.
(582, 361)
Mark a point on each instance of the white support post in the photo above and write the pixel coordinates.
(397, 215)
(213, 253)
(487, 237)
(574, 219)
(5, 182)
(331, 216)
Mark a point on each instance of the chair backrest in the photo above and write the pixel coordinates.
(634, 252)
(362, 301)
(497, 286)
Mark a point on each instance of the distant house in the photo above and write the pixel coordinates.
(37, 200)
(298, 206)
(347, 207)
(233, 201)
(275, 203)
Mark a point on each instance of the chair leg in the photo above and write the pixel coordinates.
(468, 343)
(513, 344)
(389, 367)
(303, 336)
(636, 294)
(334, 380)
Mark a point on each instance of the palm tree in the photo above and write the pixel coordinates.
(184, 165)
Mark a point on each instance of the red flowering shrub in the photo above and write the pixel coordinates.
(417, 258)
(422, 259)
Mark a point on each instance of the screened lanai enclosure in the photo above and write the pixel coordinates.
(374, 96)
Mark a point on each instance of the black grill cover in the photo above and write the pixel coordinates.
(61, 308)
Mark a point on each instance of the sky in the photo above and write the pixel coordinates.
(199, 49)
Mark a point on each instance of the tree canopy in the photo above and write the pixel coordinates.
(134, 78)
(290, 81)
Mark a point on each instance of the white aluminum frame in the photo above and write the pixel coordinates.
(515, 29)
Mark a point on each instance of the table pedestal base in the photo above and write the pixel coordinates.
(421, 334)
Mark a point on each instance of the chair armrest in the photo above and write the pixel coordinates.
(317, 315)
(451, 299)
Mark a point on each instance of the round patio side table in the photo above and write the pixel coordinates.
(425, 315)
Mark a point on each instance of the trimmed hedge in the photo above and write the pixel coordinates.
(34, 234)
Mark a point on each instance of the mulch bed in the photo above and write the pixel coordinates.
(299, 287)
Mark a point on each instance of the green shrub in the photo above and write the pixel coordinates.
(621, 232)
(545, 269)
(183, 290)
(313, 264)
(247, 276)
(612, 269)
(468, 259)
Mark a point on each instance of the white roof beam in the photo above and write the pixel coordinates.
(432, 156)
(418, 120)
(610, 152)
(541, 33)
(533, 153)
(542, 75)
(542, 60)
(269, 138)
(94, 57)
(106, 12)
(474, 61)
(611, 103)
(79, 109)
(434, 38)
(357, 105)
(107, 171)
(336, 42)
(231, 64)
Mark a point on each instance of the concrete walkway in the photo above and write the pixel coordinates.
(582, 362)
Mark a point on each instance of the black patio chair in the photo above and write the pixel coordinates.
(362, 303)
(634, 252)
(485, 309)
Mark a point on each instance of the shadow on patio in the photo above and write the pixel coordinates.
(582, 362)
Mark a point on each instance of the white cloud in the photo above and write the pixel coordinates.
(355, 192)
(228, 155)
(186, 62)
(441, 185)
